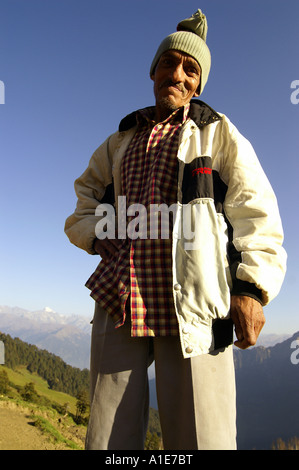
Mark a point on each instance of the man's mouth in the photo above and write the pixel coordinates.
(177, 87)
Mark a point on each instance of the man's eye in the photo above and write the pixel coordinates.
(192, 71)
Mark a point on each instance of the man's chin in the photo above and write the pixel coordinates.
(168, 104)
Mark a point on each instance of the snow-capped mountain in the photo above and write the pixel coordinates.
(48, 315)
(65, 336)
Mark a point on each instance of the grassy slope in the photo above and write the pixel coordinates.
(21, 376)
(47, 419)
(61, 431)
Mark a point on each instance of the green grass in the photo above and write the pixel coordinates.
(21, 376)
(44, 412)
(47, 428)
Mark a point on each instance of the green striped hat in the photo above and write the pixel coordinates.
(190, 38)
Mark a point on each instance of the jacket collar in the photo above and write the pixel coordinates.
(201, 113)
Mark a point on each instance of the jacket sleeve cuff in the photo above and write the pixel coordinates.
(248, 289)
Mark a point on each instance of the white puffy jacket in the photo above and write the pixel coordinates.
(238, 238)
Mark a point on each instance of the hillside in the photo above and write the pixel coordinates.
(40, 419)
(36, 412)
(53, 369)
(17, 432)
(29, 428)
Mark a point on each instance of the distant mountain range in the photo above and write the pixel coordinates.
(267, 380)
(65, 336)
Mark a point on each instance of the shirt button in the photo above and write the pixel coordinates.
(186, 330)
(189, 350)
(177, 287)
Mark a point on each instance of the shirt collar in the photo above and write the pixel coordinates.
(147, 115)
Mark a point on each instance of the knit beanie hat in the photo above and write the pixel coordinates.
(190, 38)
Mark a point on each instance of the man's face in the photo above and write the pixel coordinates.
(176, 80)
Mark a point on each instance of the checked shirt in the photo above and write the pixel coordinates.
(139, 279)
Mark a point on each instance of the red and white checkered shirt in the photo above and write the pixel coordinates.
(143, 267)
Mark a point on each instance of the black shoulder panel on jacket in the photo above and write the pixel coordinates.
(127, 122)
(197, 179)
(202, 114)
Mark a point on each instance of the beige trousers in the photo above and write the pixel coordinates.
(196, 397)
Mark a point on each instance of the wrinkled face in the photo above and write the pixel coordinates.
(176, 80)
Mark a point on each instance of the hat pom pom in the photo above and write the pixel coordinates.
(196, 24)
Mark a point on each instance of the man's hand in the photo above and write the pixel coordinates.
(107, 248)
(248, 317)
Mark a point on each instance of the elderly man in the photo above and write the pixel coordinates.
(174, 299)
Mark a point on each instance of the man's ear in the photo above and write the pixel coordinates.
(197, 93)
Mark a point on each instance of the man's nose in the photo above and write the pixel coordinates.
(177, 73)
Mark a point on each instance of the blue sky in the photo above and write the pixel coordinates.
(73, 68)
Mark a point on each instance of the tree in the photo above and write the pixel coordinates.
(29, 393)
(153, 441)
(82, 406)
(292, 444)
